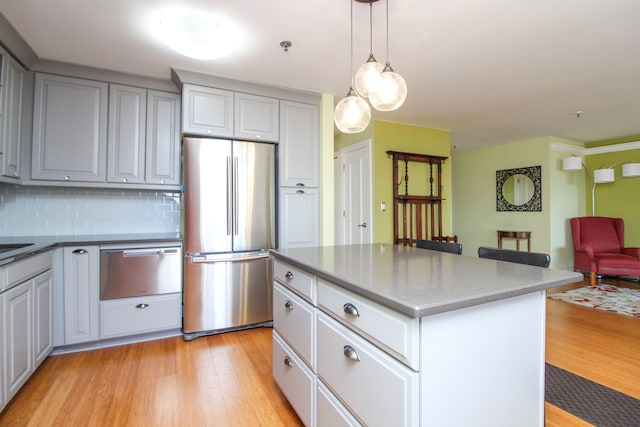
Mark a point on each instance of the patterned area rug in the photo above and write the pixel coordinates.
(604, 297)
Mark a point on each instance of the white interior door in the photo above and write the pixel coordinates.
(355, 201)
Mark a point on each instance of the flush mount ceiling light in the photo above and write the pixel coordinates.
(352, 113)
(197, 34)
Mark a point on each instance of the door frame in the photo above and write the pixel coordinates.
(340, 191)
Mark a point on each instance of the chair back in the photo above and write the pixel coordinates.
(434, 245)
(603, 234)
(529, 258)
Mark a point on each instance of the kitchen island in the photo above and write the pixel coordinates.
(390, 335)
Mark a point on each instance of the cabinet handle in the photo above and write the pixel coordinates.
(351, 309)
(351, 353)
(299, 184)
(124, 179)
(363, 225)
(288, 362)
(288, 305)
(142, 305)
(299, 191)
(79, 252)
(288, 275)
(67, 178)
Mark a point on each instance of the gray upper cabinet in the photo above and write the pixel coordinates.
(162, 164)
(127, 134)
(299, 151)
(144, 136)
(207, 111)
(69, 129)
(12, 85)
(256, 117)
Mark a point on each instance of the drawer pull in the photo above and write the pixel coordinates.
(142, 305)
(288, 305)
(351, 353)
(288, 275)
(351, 309)
(288, 362)
(80, 252)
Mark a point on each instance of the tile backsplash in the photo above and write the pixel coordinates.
(46, 211)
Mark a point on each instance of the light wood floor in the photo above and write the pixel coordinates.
(225, 380)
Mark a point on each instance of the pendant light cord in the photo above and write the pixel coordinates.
(387, 4)
(370, 28)
(351, 59)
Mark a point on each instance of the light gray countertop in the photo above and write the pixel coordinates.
(41, 243)
(420, 282)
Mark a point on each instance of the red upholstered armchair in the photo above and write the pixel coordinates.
(598, 247)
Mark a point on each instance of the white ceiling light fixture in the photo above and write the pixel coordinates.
(392, 89)
(197, 34)
(352, 114)
(368, 74)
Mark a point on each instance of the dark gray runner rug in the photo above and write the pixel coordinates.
(590, 401)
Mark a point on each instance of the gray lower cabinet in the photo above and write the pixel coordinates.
(12, 99)
(81, 293)
(144, 136)
(299, 217)
(69, 129)
(25, 321)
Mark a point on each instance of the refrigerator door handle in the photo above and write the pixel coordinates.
(235, 196)
(228, 258)
(229, 195)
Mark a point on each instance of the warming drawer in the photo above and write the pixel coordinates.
(134, 272)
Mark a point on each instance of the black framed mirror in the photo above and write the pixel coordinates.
(519, 189)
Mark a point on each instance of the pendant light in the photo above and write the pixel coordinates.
(368, 74)
(352, 114)
(392, 89)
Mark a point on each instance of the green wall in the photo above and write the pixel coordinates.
(387, 136)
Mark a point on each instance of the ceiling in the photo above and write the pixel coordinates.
(490, 72)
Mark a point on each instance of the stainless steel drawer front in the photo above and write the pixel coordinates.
(136, 272)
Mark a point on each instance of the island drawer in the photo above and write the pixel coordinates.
(296, 279)
(396, 333)
(129, 316)
(358, 372)
(295, 379)
(331, 412)
(295, 320)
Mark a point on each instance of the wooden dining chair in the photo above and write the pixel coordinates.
(530, 258)
(434, 245)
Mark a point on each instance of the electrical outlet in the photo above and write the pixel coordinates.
(383, 206)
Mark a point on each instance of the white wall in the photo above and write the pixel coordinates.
(45, 211)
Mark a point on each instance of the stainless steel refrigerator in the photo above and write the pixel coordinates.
(229, 190)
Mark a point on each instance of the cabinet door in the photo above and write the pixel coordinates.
(207, 111)
(18, 320)
(299, 217)
(69, 129)
(81, 289)
(299, 159)
(13, 77)
(163, 138)
(43, 316)
(256, 117)
(127, 115)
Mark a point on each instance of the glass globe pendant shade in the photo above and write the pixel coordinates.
(368, 76)
(352, 114)
(390, 92)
